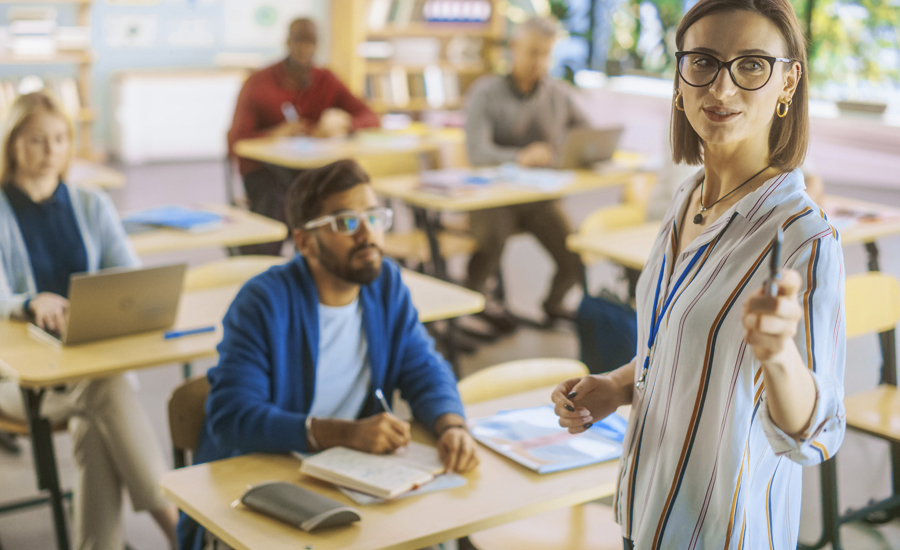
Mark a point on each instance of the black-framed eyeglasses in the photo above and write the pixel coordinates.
(748, 72)
(348, 223)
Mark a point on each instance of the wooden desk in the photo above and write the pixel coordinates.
(500, 491)
(437, 300)
(238, 228)
(36, 364)
(379, 154)
(631, 247)
(407, 188)
(428, 205)
(84, 173)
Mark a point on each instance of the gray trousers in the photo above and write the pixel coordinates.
(546, 221)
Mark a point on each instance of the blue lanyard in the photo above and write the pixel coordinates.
(659, 314)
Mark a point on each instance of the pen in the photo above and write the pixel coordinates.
(384, 404)
(774, 264)
(187, 332)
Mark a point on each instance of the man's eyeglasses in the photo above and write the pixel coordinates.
(348, 223)
(748, 72)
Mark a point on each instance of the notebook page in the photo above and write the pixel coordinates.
(373, 470)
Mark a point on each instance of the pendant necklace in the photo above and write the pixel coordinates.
(698, 219)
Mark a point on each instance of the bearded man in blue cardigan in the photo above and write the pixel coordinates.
(306, 344)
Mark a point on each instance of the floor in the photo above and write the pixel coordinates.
(862, 467)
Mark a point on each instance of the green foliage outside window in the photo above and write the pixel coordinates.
(855, 44)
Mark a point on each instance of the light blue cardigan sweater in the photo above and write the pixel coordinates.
(104, 238)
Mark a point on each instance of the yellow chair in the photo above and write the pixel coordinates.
(230, 271)
(587, 527)
(412, 247)
(516, 377)
(872, 305)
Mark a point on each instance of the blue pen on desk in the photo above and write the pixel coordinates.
(380, 395)
(187, 332)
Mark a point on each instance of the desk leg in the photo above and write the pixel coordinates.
(430, 222)
(45, 461)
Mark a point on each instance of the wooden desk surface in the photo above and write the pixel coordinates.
(301, 153)
(500, 491)
(631, 247)
(84, 173)
(437, 300)
(238, 228)
(407, 188)
(36, 363)
(863, 231)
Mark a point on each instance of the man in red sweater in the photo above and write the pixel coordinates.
(290, 98)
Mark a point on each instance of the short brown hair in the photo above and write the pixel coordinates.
(312, 187)
(19, 113)
(789, 136)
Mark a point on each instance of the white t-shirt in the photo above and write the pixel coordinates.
(342, 373)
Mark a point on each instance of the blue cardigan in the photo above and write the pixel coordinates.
(262, 388)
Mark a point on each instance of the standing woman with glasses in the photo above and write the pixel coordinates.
(733, 387)
(48, 231)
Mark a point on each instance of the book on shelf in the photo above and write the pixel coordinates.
(399, 86)
(64, 88)
(439, 88)
(457, 11)
(378, 13)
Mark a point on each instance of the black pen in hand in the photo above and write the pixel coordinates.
(774, 264)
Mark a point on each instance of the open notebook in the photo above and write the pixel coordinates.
(383, 476)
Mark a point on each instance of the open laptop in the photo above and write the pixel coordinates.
(585, 146)
(120, 302)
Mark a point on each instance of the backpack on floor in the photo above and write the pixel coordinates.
(607, 330)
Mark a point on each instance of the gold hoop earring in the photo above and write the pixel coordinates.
(786, 105)
(677, 97)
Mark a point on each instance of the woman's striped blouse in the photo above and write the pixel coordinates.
(704, 465)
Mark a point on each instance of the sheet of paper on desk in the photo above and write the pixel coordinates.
(454, 182)
(533, 438)
(439, 483)
(541, 179)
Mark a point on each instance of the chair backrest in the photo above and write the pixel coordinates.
(609, 218)
(187, 412)
(516, 377)
(871, 302)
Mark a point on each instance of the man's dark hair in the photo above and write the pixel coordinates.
(312, 187)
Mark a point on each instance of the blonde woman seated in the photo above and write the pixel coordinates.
(49, 231)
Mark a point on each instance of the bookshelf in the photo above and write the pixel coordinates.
(401, 60)
(83, 59)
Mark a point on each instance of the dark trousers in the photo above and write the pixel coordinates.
(627, 544)
(266, 190)
(546, 221)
